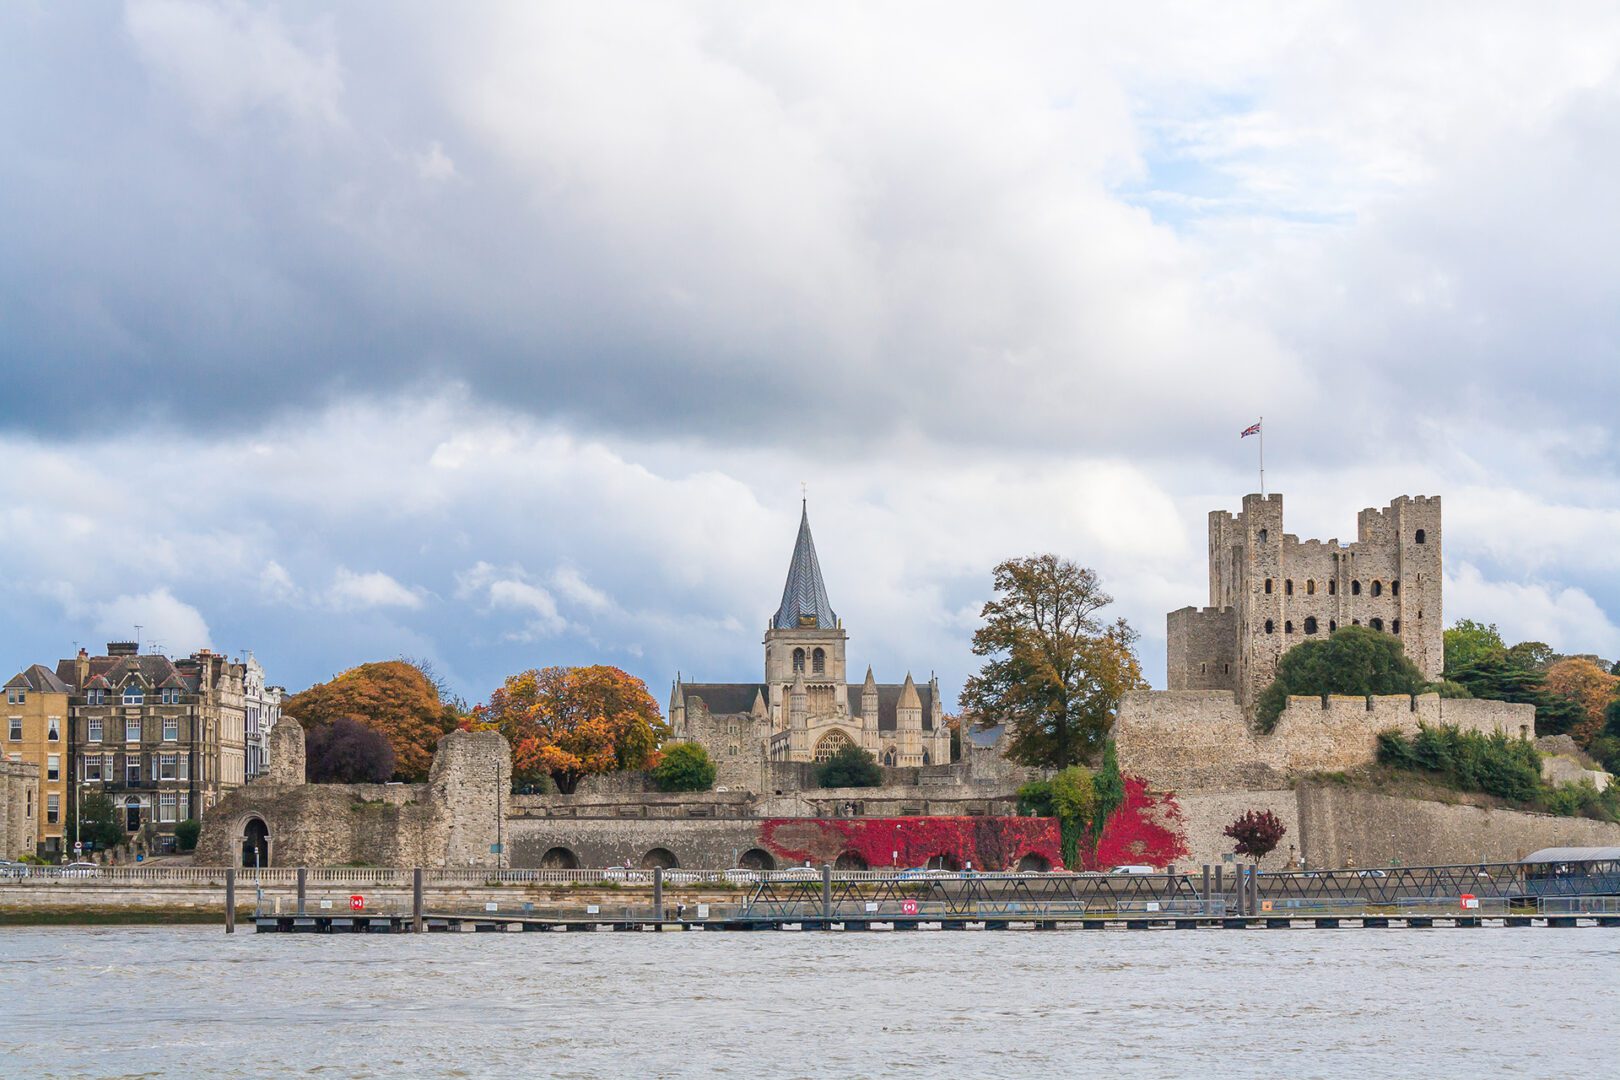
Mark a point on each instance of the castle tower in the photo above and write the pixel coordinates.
(908, 724)
(677, 707)
(805, 638)
(869, 709)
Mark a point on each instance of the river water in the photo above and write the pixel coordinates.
(1299, 1003)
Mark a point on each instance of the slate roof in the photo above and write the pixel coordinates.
(804, 594)
(154, 670)
(40, 679)
(723, 699)
(888, 703)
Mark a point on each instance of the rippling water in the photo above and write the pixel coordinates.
(192, 1001)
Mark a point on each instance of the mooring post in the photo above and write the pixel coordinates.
(826, 895)
(1254, 890)
(1220, 889)
(416, 900)
(1242, 886)
(230, 901)
(1206, 889)
(658, 893)
(303, 883)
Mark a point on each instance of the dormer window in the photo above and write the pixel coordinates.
(16, 696)
(95, 696)
(169, 695)
(133, 695)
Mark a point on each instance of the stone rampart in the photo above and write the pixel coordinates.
(1187, 740)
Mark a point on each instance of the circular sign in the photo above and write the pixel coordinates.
(908, 907)
(357, 902)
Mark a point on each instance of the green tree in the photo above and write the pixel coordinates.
(1511, 675)
(1110, 787)
(1074, 803)
(850, 766)
(685, 767)
(1352, 660)
(1468, 641)
(1536, 655)
(186, 833)
(1055, 670)
(99, 826)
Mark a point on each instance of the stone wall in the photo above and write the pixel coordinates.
(1206, 813)
(286, 754)
(1191, 739)
(19, 809)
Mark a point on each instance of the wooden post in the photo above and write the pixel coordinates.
(1206, 889)
(1254, 890)
(1241, 891)
(658, 893)
(826, 895)
(416, 900)
(1220, 888)
(230, 901)
(303, 883)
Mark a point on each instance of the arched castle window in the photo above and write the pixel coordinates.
(1269, 627)
(732, 750)
(890, 757)
(1395, 587)
(830, 744)
(1395, 627)
(926, 759)
(1420, 537)
(1333, 624)
(1310, 624)
(1333, 587)
(1310, 586)
(1376, 624)
(1288, 587)
(818, 662)
(1288, 627)
(1355, 588)
(1378, 588)
(1268, 586)
(798, 659)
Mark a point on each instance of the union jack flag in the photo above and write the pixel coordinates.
(1252, 429)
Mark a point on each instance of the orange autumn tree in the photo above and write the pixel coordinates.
(395, 698)
(1589, 686)
(570, 723)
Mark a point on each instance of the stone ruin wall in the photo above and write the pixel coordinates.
(1199, 740)
(19, 815)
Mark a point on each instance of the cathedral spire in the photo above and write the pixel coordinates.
(804, 597)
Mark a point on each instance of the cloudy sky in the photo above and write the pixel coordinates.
(507, 338)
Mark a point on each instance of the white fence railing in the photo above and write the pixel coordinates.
(401, 877)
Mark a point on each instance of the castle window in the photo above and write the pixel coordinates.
(926, 759)
(1203, 669)
(1355, 622)
(798, 660)
(1355, 588)
(818, 662)
(1269, 627)
(1333, 624)
(1288, 627)
(1395, 627)
(1420, 537)
(889, 757)
(1262, 536)
(731, 750)
(1288, 587)
(1310, 624)
(1376, 624)
(1395, 587)
(1310, 586)
(1333, 587)
(1268, 586)
(1378, 588)
(1226, 669)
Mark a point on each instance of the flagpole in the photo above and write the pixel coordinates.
(1262, 426)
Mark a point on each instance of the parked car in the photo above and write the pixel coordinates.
(9, 869)
(741, 875)
(799, 873)
(80, 869)
(625, 875)
(1134, 868)
(676, 876)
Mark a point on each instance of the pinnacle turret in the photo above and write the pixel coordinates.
(804, 596)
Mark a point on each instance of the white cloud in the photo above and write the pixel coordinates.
(351, 591)
(165, 622)
(1565, 617)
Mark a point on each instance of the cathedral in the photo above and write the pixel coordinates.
(805, 709)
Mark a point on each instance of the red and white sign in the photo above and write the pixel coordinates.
(908, 907)
(357, 902)
(1469, 901)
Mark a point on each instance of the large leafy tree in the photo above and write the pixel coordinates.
(1589, 686)
(1512, 675)
(684, 767)
(1055, 670)
(1467, 642)
(850, 766)
(394, 698)
(1352, 660)
(99, 823)
(1257, 832)
(347, 752)
(570, 723)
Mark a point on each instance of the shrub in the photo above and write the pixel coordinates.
(1468, 760)
(1035, 799)
(185, 834)
(1352, 660)
(850, 767)
(1257, 833)
(685, 767)
(1573, 800)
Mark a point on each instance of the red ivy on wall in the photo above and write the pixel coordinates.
(989, 843)
(1146, 829)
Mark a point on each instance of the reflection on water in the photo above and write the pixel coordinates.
(189, 1000)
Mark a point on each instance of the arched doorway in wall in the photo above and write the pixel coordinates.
(830, 744)
(1033, 863)
(559, 858)
(255, 843)
(659, 858)
(851, 860)
(943, 861)
(757, 859)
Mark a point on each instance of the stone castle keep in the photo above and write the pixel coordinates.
(805, 710)
(1269, 591)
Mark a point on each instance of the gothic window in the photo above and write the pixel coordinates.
(798, 660)
(1355, 588)
(1310, 624)
(1420, 537)
(1395, 587)
(1269, 627)
(926, 760)
(818, 662)
(1268, 586)
(830, 744)
(1288, 627)
(1376, 624)
(1310, 586)
(890, 757)
(1395, 627)
(1378, 588)
(1288, 587)
(1333, 587)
